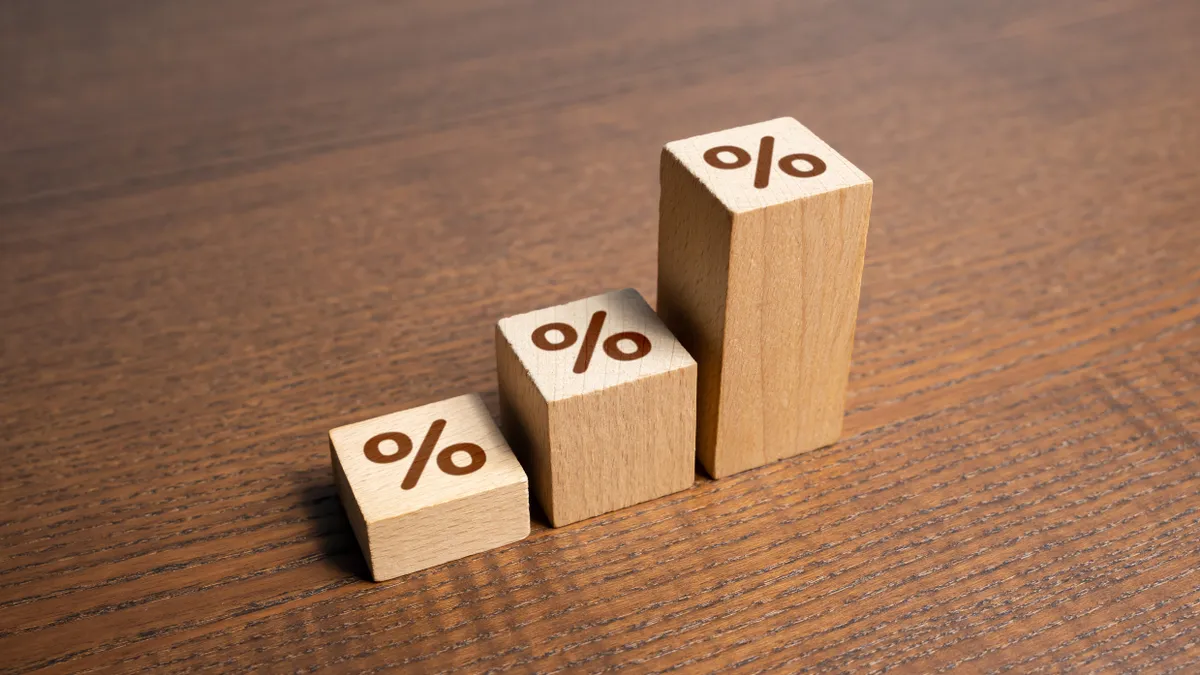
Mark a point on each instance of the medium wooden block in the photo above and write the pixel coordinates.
(761, 239)
(429, 485)
(599, 400)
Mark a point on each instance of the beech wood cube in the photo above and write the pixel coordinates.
(429, 485)
(599, 401)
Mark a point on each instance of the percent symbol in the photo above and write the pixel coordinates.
(445, 458)
(766, 151)
(612, 345)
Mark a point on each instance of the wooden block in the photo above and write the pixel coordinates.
(761, 238)
(599, 401)
(429, 485)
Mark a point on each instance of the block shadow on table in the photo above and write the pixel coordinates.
(330, 526)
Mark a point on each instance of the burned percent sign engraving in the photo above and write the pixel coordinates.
(445, 459)
(766, 152)
(612, 345)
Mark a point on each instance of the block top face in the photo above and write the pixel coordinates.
(409, 460)
(765, 164)
(593, 344)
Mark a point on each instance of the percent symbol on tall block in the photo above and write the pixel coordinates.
(766, 152)
(612, 345)
(445, 458)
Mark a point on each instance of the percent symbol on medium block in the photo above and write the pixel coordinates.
(445, 458)
(612, 345)
(766, 152)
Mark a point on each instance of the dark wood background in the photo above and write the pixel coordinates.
(231, 226)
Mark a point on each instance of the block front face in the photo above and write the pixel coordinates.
(745, 174)
(600, 399)
(624, 445)
(794, 280)
(763, 285)
(430, 484)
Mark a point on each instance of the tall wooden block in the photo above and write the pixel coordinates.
(429, 485)
(761, 238)
(599, 400)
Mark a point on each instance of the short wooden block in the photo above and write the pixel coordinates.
(762, 234)
(599, 400)
(429, 485)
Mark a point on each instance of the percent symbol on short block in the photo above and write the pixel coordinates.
(766, 152)
(445, 458)
(612, 345)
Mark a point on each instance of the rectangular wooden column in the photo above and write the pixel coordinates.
(762, 235)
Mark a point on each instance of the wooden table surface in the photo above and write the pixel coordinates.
(229, 227)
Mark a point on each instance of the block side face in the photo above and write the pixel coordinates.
(525, 421)
(694, 238)
(378, 457)
(795, 281)
(350, 506)
(624, 445)
(591, 344)
(793, 145)
(449, 531)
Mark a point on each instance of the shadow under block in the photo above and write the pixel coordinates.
(761, 285)
(603, 412)
(429, 485)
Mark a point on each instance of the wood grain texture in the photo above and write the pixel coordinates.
(598, 399)
(425, 486)
(228, 227)
(760, 259)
